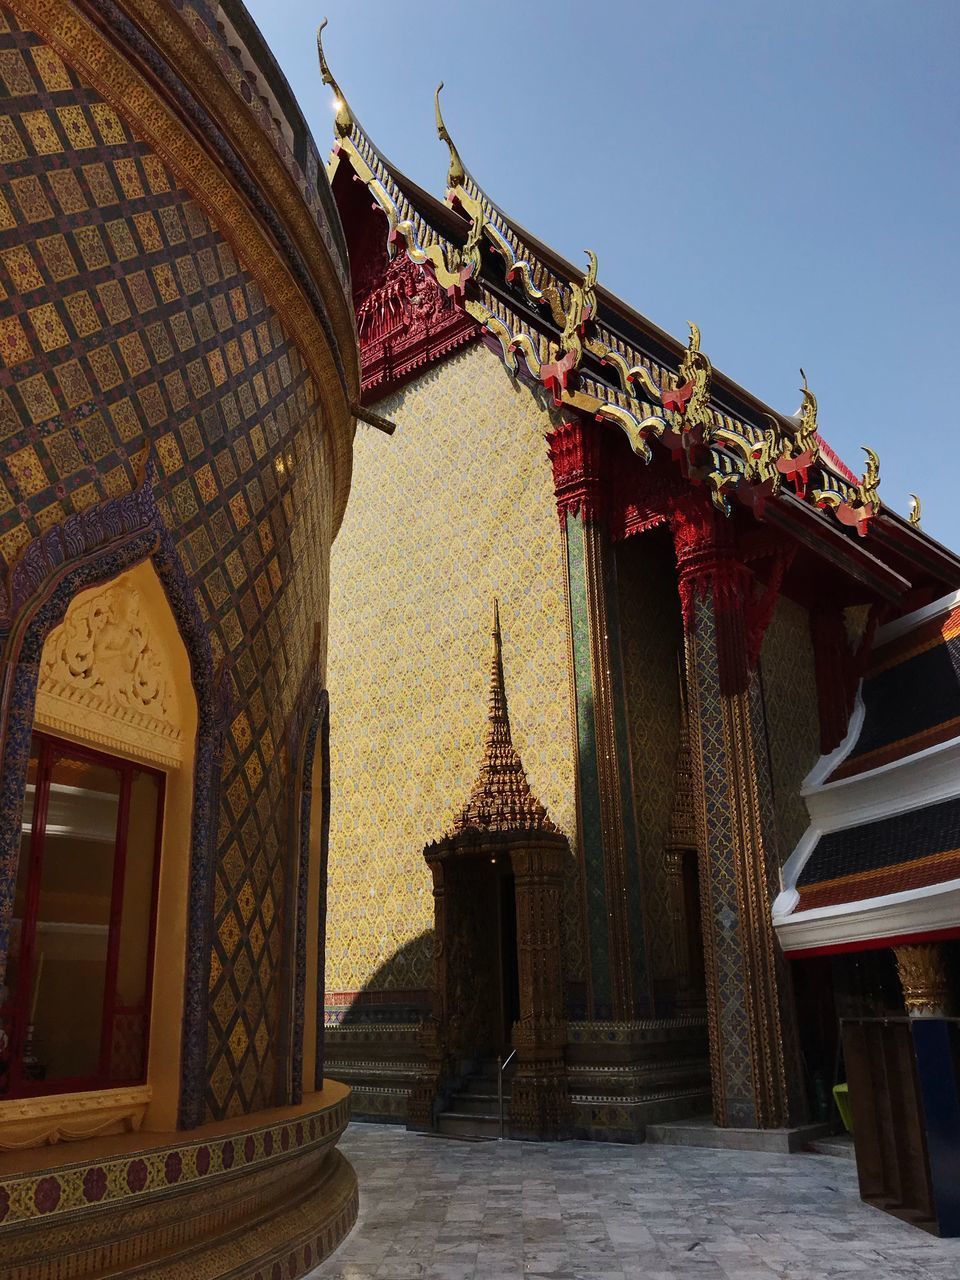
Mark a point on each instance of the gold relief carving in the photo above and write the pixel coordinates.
(923, 977)
(103, 674)
(71, 1117)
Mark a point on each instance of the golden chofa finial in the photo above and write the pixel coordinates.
(870, 480)
(807, 428)
(915, 511)
(344, 120)
(455, 172)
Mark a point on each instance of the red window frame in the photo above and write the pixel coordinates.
(50, 750)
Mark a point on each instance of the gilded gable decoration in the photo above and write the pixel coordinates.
(104, 674)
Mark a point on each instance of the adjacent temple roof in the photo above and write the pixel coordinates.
(501, 799)
(557, 327)
(881, 858)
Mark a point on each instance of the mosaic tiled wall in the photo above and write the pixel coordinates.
(793, 724)
(129, 325)
(651, 642)
(456, 508)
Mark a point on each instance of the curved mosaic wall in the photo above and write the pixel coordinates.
(132, 329)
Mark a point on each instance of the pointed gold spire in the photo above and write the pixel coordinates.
(344, 118)
(501, 799)
(456, 172)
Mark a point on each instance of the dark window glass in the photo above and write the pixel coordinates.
(76, 1009)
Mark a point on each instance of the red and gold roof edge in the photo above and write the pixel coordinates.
(590, 368)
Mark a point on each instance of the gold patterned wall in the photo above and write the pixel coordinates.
(455, 508)
(651, 636)
(793, 722)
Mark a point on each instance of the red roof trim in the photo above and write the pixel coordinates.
(874, 944)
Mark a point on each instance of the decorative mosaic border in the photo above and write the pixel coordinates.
(309, 1254)
(30, 1196)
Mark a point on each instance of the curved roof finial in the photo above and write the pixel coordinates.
(456, 172)
(916, 510)
(344, 119)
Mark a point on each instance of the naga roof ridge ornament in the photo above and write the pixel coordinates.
(581, 308)
(501, 799)
(916, 509)
(802, 448)
(456, 173)
(857, 505)
(344, 121)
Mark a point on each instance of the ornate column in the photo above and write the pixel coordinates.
(753, 1054)
(681, 844)
(923, 976)
(613, 907)
(540, 1104)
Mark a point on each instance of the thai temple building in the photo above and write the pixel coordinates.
(580, 775)
(178, 377)
(710, 649)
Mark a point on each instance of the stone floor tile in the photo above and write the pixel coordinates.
(435, 1210)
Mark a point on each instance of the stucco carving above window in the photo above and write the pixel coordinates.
(104, 677)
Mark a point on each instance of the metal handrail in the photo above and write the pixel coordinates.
(501, 1067)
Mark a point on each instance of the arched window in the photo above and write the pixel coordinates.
(94, 999)
(79, 973)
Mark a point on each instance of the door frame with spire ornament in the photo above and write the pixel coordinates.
(503, 829)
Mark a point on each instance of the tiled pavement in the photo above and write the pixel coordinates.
(447, 1210)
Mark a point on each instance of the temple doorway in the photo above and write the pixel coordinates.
(497, 889)
(482, 973)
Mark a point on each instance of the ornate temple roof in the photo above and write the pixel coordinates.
(501, 799)
(556, 327)
(881, 858)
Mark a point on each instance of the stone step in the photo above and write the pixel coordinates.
(478, 1104)
(700, 1131)
(837, 1144)
(463, 1124)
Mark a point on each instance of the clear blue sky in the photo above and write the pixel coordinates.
(784, 173)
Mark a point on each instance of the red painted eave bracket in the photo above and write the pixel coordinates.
(820, 535)
(917, 548)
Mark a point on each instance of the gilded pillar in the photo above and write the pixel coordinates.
(923, 977)
(540, 1104)
(613, 906)
(753, 1054)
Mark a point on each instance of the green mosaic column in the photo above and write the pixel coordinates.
(613, 908)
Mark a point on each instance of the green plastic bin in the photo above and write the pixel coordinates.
(841, 1096)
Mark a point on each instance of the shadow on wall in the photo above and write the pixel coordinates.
(399, 990)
